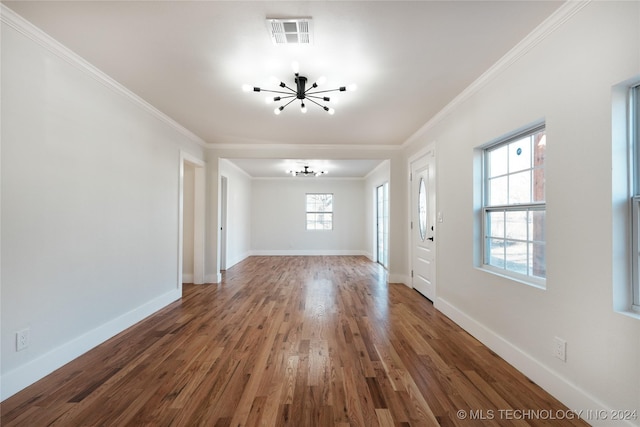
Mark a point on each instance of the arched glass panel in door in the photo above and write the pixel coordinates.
(422, 209)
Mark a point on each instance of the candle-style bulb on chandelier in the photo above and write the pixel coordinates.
(287, 95)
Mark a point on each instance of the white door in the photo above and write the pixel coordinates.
(423, 225)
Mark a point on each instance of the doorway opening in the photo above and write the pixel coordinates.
(191, 221)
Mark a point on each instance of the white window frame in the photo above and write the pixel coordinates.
(308, 212)
(537, 206)
(634, 136)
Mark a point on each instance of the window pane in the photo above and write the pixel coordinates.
(422, 210)
(311, 205)
(327, 203)
(326, 220)
(520, 155)
(498, 191)
(319, 221)
(516, 225)
(495, 226)
(520, 187)
(497, 161)
(538, 185)
(516, 256)
(319, 202)
(496, 253)
(538, 260)
(539, 141)
(537, 226)
(311, 221)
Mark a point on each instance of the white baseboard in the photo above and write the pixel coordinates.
(299, 252)
(213, 278)
(187, 278)
(233, 261)
(369, 255)
(400, 278)
(32, 371)
(562, 389)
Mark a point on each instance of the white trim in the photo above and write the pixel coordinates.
(199, 208)
(575, 398)
(190, 158)
(541, 32)
(187, 278)
(213, 278)
(429, 149)
(384, 164)
(27, 374)
(235, 167)
(308, 252)
(251, 146)
(234, 261)
(400, 278)
(369, 256)
(29, 30)
(634, 185)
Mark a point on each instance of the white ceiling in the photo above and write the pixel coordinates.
(189, 59)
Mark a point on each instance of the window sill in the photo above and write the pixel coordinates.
(633, 312)
(515, 277)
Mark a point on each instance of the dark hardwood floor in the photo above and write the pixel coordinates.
(297, 341)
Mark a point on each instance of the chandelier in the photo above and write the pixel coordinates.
(306, 172)
(301, 92)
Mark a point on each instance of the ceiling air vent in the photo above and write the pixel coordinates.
(290, 30)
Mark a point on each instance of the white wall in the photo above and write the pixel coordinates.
(278, 218)
(89, 204)
(566, 79)
(239, 207)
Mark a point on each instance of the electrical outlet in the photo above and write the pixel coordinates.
(22, 339)
(560, 348)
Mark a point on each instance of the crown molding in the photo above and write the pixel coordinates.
(27, 29)
(298, 147)
(541, 32)
(383, 165)
(233, 166)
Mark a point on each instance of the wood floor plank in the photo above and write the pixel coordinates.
(287, 341)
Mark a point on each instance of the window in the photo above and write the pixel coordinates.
(634, 133)
(319, 211)
(422, 209)
(382, 223)
(514, 206)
